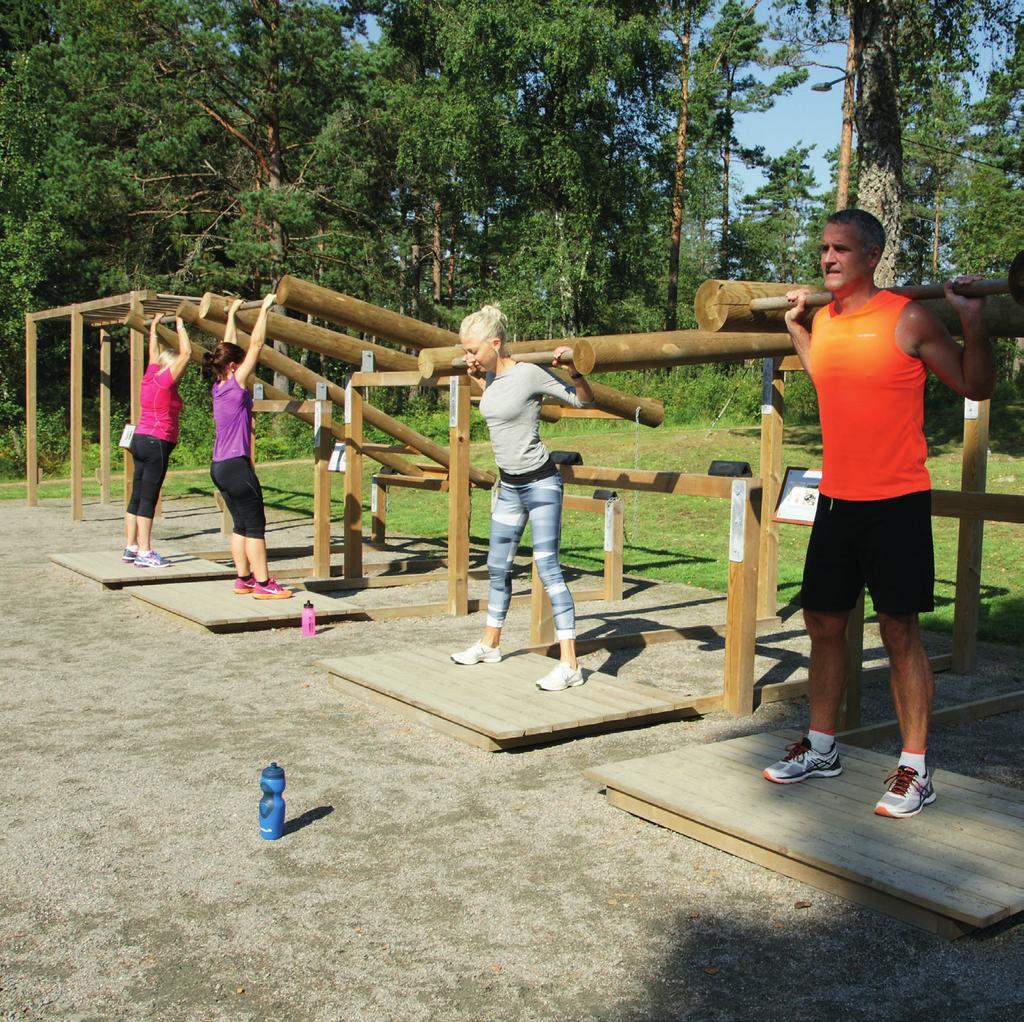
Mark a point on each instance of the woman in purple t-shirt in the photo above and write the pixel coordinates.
(232, 469)
(155, 435)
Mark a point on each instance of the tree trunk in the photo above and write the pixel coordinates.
(435, 262)
(846, 135)
(726, 159)
(879, 147)
(451, 265)
(679, 177)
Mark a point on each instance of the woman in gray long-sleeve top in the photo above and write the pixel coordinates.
(530, 489)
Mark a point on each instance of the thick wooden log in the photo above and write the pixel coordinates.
(435, 362)
(749, 305)
(606, 399)
(314, 300)
(313, 338)
(674, 347)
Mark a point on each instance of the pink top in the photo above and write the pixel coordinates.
(161, 404)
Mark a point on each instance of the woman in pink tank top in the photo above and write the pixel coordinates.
(155, 435)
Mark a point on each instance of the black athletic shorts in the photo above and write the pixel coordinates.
(241, 490)
(885, 545)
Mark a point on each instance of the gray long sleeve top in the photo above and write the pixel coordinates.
(511, 408)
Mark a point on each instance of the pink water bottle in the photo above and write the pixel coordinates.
(308, 619)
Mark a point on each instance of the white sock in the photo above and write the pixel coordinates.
(821, 741)
(915, 760)
(132, 546)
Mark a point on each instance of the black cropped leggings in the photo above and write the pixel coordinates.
(241, 490)
(150, 455)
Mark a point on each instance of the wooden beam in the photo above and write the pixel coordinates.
(741, 607)
(31, 416)
(961, 713)
(77, 340)
(439, 484)
(542, 616)
(323, 447)
(136, 336)
(104, 417)
(459, 478)
(773, 403)
(967, 601)
(992, 507)
(674, 347)
(647, 481)
(849, 711)
(353, 502)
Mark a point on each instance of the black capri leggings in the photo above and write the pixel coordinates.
(238, 485)
(150, 455)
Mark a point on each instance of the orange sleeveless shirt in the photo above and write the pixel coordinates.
(871, 402)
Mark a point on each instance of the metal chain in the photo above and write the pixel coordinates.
(634, 530)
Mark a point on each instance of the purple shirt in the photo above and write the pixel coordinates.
(160, 404)
(232, 418)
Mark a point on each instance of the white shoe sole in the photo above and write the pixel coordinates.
(572, 683)
(881, 810)
(803, 777)
(471, 663)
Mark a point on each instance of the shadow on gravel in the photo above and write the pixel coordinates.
(308, 817)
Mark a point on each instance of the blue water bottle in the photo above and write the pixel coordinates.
(272, 805)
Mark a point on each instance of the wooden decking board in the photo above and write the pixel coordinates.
(926, 842)
(956, 866)
(942, 890)
(501, 701)
(106, 568)
(215, 606)
(978, 799)
(988, 827)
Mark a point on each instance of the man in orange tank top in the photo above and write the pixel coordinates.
(867, 354)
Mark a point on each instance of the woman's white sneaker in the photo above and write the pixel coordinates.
(561, 677)
(478, 653)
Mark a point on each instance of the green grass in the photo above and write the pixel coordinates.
(680, 539)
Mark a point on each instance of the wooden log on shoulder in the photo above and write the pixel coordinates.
(674, 347)
(606, 399)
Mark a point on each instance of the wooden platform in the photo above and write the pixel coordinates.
(106, 568)
(215, 607)
(498, 706)
(956, 867)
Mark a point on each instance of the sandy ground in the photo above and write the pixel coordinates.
(420, 878)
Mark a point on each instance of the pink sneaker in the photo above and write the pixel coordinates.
(272, 590)
(245, 586)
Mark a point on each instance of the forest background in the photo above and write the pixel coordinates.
(575, 162)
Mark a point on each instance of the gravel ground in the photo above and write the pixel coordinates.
(421, 878)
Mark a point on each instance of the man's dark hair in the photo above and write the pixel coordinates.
(871, 232)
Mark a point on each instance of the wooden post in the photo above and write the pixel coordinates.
(135, 348)
(741, 605)
(323, 440)
(772, 411)
(849, 711)
(378, 512)
(614, 518)
(353, 514)
(973, 477)
(104, 417)
(31, 449)
(77, 330)
(458, 496)
(542, 617)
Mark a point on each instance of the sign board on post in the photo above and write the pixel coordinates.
(798, 498)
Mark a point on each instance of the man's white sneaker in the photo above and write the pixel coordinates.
(801, 762)
(478, 653)
(908, 794)
(560, 678)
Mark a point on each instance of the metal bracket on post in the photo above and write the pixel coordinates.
(348, 402)
(609, 518)
(970, 408)
(321, 392)
(317, 423)
(737, 517)
(453, 403)
(257, 392)
(366, 362)
(373, 494)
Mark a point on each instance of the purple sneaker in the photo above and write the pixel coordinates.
(151, 560)
(245, 586)
(129, 555)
